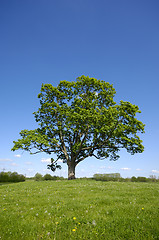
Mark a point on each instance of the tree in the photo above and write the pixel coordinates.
(38, 177)
(80, 119)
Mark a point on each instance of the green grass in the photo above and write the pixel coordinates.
(79, 209)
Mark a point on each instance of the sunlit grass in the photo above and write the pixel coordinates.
(79, 209)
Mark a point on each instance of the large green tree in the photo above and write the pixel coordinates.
(80, 119)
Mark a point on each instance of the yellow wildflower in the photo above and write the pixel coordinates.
(74, 230)
(74, 218)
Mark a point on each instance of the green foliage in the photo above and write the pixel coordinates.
(38, 177)
(57, 178)
(153, 178)
(107, 177)
(141, 179)
(80, 209)
(133, 179)
(116, 177)
(53, 166)
(80, 119)
(11, 177)
(47, 177)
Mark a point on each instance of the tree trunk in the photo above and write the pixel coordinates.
(71, 171)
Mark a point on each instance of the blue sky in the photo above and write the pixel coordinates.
(48, 41)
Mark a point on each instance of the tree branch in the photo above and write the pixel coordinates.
(81, 159)
(82, 141)
(61, 138)
(97, 157)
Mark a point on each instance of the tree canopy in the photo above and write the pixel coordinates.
(80, 119)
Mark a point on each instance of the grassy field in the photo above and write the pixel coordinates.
(79, 209)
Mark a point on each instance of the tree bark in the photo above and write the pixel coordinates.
(71, 171)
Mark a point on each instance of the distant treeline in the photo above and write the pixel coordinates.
(40, 177)
(116, 177)
(11, 177)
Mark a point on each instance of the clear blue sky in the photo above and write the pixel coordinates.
(48, 41)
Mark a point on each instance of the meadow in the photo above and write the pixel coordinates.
(79, 209)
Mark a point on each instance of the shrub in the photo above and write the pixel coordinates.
(57, 178)
(38, 177)
(142, 179)
(152, 178)
(11, 177)
(127, 179)
(133, 179)
(4, 177)
(107, 177)
(48, 177)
